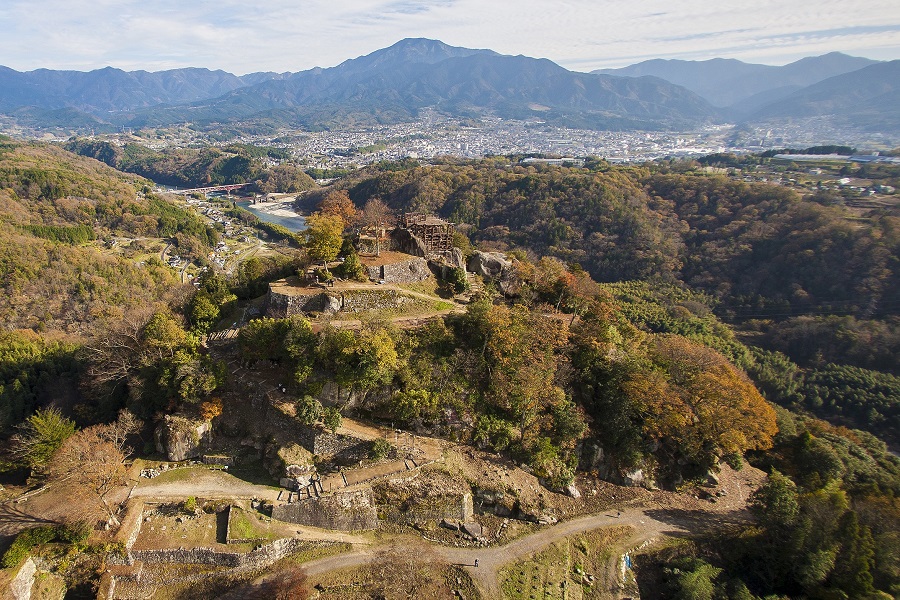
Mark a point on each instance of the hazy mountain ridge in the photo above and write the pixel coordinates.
(394, 84)
(113, 90)
(391, 84)
(873, 87)
(481, 80)
(726, 82)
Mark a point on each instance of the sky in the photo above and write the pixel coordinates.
(242, 36)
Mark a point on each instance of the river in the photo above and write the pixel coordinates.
(293, 222)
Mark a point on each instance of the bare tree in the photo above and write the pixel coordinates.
(93, 463)
(114, 353)
(118, 431)
(378, 215)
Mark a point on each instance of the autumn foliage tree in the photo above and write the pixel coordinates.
(706, 406)
(91, 462)
(666, 396)
(339, 204)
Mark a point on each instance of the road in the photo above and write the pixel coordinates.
(492, 560)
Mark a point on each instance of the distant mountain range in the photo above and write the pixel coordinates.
(726, 82)
(113, 90)
(395, 84)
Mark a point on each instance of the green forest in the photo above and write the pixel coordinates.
(201, 167)
(662, 319)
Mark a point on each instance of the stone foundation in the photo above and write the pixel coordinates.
(451, 507)
(344, 511)
(408, 271)
(281, 304)
(260, 557)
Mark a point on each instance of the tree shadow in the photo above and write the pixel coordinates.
(254, 473)
(13, 520)
(699, 522)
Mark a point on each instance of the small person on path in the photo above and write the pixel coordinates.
(476, 562)
(619, 514)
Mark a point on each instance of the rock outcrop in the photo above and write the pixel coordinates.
(180, 438)
(489, 264)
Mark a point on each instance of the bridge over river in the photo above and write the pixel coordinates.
(214, 188)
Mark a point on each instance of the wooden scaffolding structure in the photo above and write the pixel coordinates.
(435, 233)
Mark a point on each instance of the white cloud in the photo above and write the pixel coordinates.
(290, 35)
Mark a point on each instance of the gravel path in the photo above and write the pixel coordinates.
(204, 483)
(492, 560)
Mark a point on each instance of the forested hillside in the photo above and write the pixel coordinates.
(764, 256)
(186, 167)
(56, 210)
(635, 378)
(749, 245)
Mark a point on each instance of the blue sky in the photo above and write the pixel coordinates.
(242, 36)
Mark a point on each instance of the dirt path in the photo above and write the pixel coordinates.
(203, 483)
(648, 524)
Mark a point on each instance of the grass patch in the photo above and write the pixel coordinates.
(317, 552)
(561, 570)
(427, 286)
(245, 526)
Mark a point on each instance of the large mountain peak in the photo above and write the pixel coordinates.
(408, 51)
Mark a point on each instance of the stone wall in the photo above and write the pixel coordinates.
(361, 300)
(131, 524)
(281, 306)
(21, 585)
(217, 459)
(344, 511)
(451, 508)
(325, 443)
(260, 557)
(413, 270)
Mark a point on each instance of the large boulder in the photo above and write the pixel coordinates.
(493, 265)
(180, 438)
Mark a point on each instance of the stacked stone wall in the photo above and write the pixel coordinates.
(450, 508)
(409, 271)
(281, 306)
(325, 443)
(346, 511)
(361, 300)
(20, 586)
(131, 525)
(260, 557)
(413, 270)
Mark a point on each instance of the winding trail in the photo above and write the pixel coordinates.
(492, 560)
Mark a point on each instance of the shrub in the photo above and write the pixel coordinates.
(24, 543)
(76, 532)
(190, 504)
(381, 449)
(457, 278)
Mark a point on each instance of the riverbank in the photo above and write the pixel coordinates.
(278, 212)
